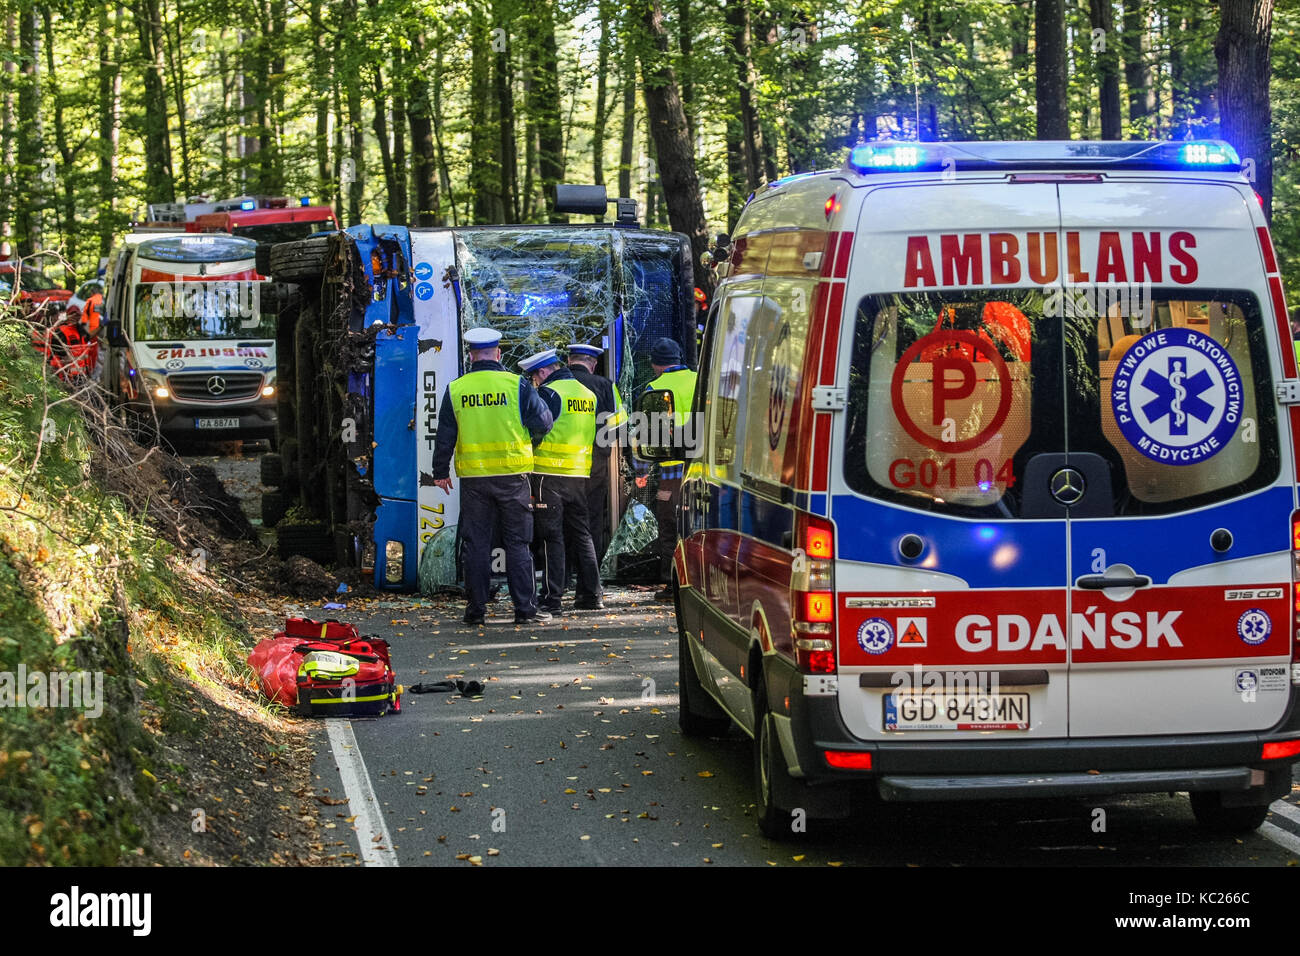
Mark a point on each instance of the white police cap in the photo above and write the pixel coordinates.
(539, 360)
(482, 338)
(593, 350)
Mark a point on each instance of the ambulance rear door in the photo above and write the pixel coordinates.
(1180, 523)
(951, 575)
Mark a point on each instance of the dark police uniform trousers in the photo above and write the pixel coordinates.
(562, 519)
(504, 502)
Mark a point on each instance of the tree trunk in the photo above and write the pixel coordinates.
(602, 107)
(320, 66)
(30, 198)
(175, 57)
(424, 164)
(545, 108)
(1020, 20)
(1242, 49)
(159, 181)
(110, 123)
(401, 181)
(9, 132)
(684, 43)
(672, 139)
(738, 25)
(485, 171)
(737, 169)
(67, 152)
(505, 101)
(1137, 67)
(444, 173)
(1049, 70)
(627, 134)
(380, 125)
(1106, 56)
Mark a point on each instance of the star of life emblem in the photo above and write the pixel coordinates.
(1177, 396)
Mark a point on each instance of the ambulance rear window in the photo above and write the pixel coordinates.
(943, 392)
(1166, 391)
(1179, 397)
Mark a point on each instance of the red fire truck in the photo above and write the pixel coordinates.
(260, 218)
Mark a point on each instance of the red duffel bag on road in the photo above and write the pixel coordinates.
(326, 668)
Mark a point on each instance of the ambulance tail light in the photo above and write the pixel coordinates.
(812, 595)
(1277, 749)
(1295, 598)
(848, 759)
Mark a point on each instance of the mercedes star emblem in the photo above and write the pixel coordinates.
(1068, 486)
(217, 385)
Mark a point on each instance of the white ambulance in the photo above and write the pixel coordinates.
(191, 349)
(995, 493)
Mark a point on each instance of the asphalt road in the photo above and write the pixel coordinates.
(572, 756)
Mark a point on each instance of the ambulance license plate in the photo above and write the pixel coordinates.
(956, 711)
(216, 423)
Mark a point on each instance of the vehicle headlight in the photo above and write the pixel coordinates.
(155, 383)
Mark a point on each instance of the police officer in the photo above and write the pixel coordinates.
(610, 417)
(670, 375)
(491, 419)
(561, 468)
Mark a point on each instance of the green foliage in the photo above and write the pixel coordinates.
(270, 96)
(76, 781)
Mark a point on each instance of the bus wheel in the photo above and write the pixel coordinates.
(301, 259)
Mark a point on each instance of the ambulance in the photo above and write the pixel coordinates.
(993, 491)
(191, 337)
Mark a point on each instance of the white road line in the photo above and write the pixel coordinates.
(1282, 838)
(369, 820)
(1284, 809)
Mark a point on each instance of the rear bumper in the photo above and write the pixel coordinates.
(1051, 767)
(1017, 786)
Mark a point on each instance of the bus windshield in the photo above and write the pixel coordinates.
(229, 309)
(545, 287)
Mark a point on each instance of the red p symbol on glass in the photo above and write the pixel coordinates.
(948, 389)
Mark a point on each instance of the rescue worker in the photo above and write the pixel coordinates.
(610, 417)
(491, 420)
(672, 376)
(561, 469)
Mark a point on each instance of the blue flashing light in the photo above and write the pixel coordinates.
(1208, 153)
(986, 532)
(248, 204)
(887, 157)
(304, 201)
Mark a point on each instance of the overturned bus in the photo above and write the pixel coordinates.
(370, 335)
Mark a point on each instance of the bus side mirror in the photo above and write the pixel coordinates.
(652, 429)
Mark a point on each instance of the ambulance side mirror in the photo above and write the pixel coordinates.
(113, 332)
(652, 429)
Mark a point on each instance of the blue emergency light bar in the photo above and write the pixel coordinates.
(895, 157)
(248, 204)
(304, 201)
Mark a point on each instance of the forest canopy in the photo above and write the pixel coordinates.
(411, 111)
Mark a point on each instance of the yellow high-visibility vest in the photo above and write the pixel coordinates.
(566, 449)
(682, 384)
(490, 437)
